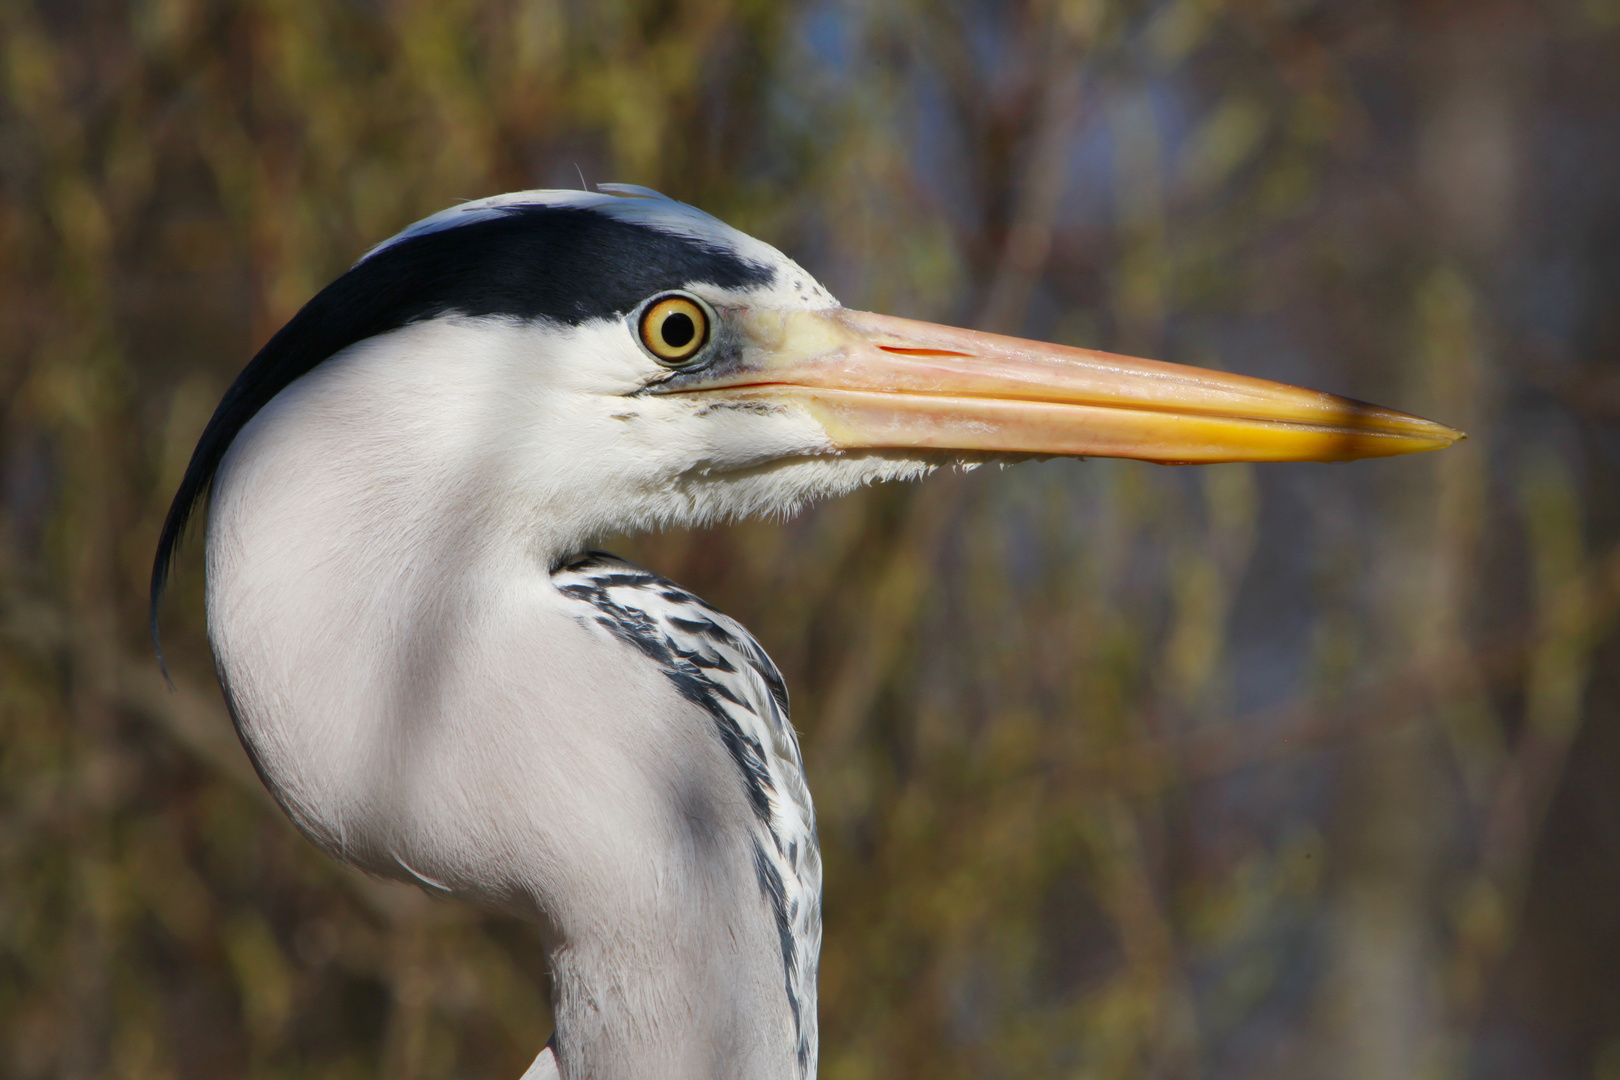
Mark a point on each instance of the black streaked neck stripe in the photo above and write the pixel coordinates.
(567, 264)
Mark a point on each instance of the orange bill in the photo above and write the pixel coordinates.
(874, 381)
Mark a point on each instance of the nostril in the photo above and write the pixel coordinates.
(896, 349)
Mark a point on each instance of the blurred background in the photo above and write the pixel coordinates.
(1123, 771)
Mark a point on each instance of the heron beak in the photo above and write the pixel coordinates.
(874, 381)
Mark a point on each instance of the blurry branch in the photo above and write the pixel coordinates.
(1574, 609)
(1060, 41)
(1029, 237)
(880, 637)
(1205, 582)
(193, 719)
(1570, 616)
(1148, 941)
(1588, 388)
(1304, 724)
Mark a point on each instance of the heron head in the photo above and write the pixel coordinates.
(640, 363)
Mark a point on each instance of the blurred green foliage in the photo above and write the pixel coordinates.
(1122, 771)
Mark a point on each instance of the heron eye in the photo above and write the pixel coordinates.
(674, 329)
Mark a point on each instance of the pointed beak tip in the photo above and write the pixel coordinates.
(1436, 436)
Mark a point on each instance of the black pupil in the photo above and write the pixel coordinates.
(678, 330)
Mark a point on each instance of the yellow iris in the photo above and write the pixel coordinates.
(674, 329)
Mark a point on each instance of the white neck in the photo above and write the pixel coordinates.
(426, 704)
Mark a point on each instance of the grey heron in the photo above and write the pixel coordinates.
(441, 682)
